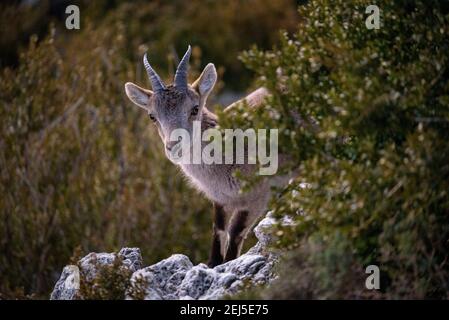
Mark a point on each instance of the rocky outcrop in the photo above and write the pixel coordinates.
(67, 286)
(176, 277)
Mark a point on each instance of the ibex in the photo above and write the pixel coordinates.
(177, 106)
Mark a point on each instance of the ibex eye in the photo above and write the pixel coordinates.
(195, 110)
(153, 118)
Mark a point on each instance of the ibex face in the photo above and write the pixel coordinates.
(174, 106)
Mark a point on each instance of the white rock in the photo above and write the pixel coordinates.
(177, 278)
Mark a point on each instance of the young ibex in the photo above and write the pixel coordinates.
(177, 106)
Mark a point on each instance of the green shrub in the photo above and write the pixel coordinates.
(372, 150)
(111, 282)
(81, 166)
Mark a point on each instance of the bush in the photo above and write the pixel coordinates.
(111, 282)
(80, 166)
(371, 148)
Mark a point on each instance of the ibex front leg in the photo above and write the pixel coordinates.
(238, 229)
(219, 236)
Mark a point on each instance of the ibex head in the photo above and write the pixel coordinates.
(174, 106)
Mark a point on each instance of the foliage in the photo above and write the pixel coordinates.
(111, 282)
(365, 115)
(81, 166)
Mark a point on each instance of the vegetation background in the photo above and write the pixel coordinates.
(82, 170)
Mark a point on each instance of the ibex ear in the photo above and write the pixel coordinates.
(138, 95)
(206, 81)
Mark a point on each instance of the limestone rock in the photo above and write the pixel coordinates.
(176, 277)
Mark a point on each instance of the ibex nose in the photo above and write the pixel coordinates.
(170, 144)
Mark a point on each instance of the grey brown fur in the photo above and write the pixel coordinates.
(235, 212)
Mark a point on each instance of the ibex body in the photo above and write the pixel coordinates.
(178, 106)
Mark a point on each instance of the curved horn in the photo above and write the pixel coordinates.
(156, 82)
(181, 71)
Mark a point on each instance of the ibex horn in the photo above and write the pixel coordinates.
(181, 71)
(156, 82)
